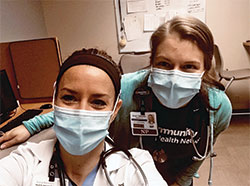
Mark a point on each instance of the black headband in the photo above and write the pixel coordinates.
(93, 60)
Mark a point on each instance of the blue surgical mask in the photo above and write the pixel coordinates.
(80, 131)
(174, 88)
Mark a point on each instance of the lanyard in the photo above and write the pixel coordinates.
(142, 93)
(57, 164)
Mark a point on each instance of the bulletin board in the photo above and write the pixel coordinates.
(136, 20)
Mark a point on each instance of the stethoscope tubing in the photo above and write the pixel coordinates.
(200, 157)
(212, 155)
(210, 132)
(136, 165)
(130, 158)
(141, 171)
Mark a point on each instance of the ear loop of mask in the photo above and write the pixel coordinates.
(202, 73)
(116, 102)
(151, 68)
(54, 94)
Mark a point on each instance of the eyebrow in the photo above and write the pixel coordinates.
(68, 90)
(193, 63)
(167, 59)
(162, 57)
(101, 95)
(96, 95)
(159, 58)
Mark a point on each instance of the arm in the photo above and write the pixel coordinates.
(26, 163)
(14, 167)
(23, 132)
(7, 176)
(40, 122)
(221, 118)
(185, 177)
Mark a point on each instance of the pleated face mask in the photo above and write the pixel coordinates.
(174, 88)
(80, 131)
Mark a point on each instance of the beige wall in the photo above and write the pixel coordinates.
(21, 20)
(85, 23)
(229, 21)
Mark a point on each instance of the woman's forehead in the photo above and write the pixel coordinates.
(80, 71)
(175, 47)
(87, 77)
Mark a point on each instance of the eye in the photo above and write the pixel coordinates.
(164, 65)
(68, 98)
(99, 104)
(190, 67)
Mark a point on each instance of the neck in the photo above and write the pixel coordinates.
(77, 167)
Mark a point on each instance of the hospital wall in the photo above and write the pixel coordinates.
(21, 20)
(91, 23)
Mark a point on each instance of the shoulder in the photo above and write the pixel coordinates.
(121, 157)
(26, 162)
(221, 116)
(124, 168)
(141, 155)
(129, 83)
(146, 162)
(218, 98)
(132, 81)
(135, 77)
(39, 151)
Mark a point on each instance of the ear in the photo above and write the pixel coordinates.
(118, 106)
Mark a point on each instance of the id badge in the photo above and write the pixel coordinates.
(143, 125)
(44, 181)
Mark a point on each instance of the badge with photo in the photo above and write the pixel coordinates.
(143, 124)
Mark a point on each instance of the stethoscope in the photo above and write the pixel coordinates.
(212, 154)
(57, 164)
(115, 148)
